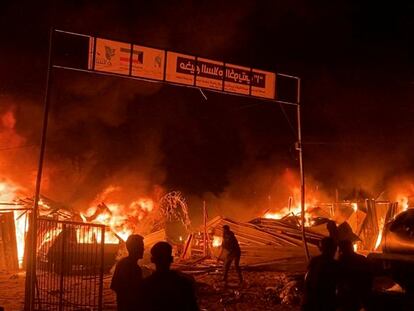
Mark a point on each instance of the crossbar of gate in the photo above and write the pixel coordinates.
(69, 266)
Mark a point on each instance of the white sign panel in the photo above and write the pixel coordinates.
(112, 56)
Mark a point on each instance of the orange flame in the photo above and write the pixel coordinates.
(121, 218)
(8, 194)
(296, 210)
(379, 237)
(217, 241)
(402, 202)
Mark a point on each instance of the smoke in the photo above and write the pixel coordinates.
(143, 136)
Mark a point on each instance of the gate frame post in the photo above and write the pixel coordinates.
(101, 272)
(31, 262)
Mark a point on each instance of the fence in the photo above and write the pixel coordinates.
(69, 266)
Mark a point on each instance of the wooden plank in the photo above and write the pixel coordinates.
(8, 245)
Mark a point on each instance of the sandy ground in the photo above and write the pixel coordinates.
(259, 292)
(12, 291)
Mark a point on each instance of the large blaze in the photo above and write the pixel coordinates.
(125, 211)
(123, 218)
(294, 207)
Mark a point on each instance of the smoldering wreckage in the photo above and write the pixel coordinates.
(87, 245)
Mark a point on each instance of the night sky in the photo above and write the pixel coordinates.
(355, 59)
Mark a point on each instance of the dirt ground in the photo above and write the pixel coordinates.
(260, 291)
(12, 291)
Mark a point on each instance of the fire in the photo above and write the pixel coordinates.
(217, 241)
(283, 212)
(8, 194)
(354, 206)
(355, 246)
(288, 211)
(402, 202)
(379, 237)
(22, 226)
(121, 218)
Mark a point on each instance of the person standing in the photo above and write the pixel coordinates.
(230, 250)
(321, 279)
(127, 277)
(355, 279)
(167, 289)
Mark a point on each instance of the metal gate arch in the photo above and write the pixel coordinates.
(31, 277)
(69, 266)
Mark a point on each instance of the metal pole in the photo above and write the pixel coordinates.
(65, 239)
(302, 172)
(33, 236)
(101, 270)
(205, 229)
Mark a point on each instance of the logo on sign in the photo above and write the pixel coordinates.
(157, 61)
(109, 53)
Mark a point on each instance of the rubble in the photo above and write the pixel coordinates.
(264, 243)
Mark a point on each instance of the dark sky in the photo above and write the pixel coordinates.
(355, 59)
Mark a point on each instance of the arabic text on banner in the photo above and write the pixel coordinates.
(209, 74)
(180, 68)
(112, 56)
(237, 79)
(148, 62)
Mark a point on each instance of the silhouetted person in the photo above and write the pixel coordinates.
(345, 233)
(127, 277)
(355, 279)
(342, 232)
(333, 230)
(321, 279)
(230, 249)
(167, 289)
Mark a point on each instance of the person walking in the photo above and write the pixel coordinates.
(230, 251)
